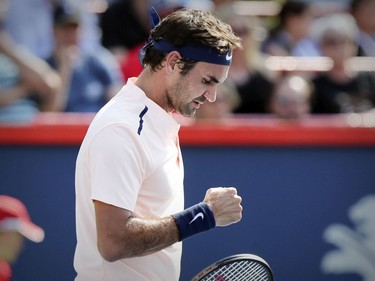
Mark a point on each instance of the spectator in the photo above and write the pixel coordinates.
(29, 24)
(340, 90)
(291, 98)
(290, 36)
(88, 82)
(38, 38)
(90, 33)
(247, 73)
(363, 12)
(15, 225)
(27, 84)
(125, 27)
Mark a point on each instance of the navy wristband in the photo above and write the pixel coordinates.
(195, 219)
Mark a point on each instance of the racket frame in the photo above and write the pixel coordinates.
(230, 259)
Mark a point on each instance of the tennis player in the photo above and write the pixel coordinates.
(130, 215)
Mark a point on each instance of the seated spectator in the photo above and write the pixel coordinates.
(363, 12)
(125, 26)
(15, 225)
(88, 82)
(291, 98)
(290, 35)
(90, 33)
(38, 37)
(247, 72)
(27, 84)
(340, 90)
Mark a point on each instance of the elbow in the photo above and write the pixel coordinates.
(112, 252)
(108, 253)
(108, 257)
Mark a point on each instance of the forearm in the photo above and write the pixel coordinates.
(35, 73)
(44, 81)
(8, 96)
(121, 235)
(150, 236)
(138, 237)
(33, 70)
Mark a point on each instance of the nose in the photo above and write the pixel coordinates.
(210, 95)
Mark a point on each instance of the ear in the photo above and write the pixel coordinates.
(171, 61)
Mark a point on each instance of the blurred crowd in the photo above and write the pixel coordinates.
(73, 56)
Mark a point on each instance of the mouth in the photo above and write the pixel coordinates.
(197, 104)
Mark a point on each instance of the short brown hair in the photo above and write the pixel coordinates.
(190, 27)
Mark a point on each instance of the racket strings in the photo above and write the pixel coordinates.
(240, 271)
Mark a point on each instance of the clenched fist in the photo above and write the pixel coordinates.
(225, 204)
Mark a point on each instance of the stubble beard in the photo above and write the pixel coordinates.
(175, 95)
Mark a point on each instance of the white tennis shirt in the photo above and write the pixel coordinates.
(129, 159)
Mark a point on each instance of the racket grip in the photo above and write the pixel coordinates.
(194, 220)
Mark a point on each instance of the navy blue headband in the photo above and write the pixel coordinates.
(192, 52)
(195, 52)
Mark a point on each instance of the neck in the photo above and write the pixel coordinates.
(154, 88)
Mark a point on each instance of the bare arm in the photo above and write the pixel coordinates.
(35, 73)
(9, 95)
(120, 235)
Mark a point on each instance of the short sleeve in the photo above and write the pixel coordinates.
(116, 166)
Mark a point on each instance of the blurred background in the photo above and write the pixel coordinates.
(292, 127)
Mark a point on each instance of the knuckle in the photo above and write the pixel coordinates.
(231, 191)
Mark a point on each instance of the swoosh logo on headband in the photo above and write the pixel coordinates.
(228, 56)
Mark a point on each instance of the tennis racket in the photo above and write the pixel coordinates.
(242, 267)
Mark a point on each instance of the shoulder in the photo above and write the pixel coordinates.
(124, 109)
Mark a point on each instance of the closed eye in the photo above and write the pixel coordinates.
(206, 81)
(210, 81)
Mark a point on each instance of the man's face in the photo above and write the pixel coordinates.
(301, 24)
(67, 35)
(291, 99)
(187, 92)
(338, 47)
